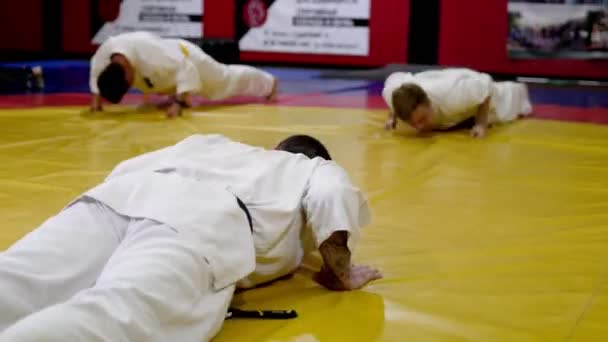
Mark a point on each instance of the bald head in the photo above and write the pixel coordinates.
(305, 145)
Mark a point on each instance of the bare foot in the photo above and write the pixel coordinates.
(274, 92)
(38, 76)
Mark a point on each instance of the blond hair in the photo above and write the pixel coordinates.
(406, 98)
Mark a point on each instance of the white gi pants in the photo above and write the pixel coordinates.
(90, 274)
(510, 101)
(221, 81)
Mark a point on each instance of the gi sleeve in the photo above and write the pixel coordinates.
(98, 63)
(332, 203)
(187, 78)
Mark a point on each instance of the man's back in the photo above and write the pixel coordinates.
(276, 187)
(257, 176)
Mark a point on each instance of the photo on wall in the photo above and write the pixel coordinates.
(328, 27)
(575, 29)
(166, 18)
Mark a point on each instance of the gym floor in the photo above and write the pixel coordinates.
(500, 239)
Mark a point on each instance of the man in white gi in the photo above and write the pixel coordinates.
(444, 99)
(155, 252)
(172, 67)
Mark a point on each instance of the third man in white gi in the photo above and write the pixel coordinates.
(443, 99)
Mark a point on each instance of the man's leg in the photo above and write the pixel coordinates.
(511, 101)
(221, 81)
(63, 256)
(156, 287)
(245, 80)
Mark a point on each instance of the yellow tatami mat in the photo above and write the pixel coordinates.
(501, 239)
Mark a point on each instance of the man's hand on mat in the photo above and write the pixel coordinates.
(481, 119)
(96, 104)
(478, 131)
(174, 110)
(337, 272)
(391, 122)
(358, 277)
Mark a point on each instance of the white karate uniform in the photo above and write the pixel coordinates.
(296, 203)
(154, 252)
(457, 93)
(176, 66)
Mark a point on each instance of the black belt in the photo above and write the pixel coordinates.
(259, 314)
(244, 208)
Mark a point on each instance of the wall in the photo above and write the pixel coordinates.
(219, 19)
(21, 25)
(79, 19)
(473, 33)
(388, 35)
(77, 29)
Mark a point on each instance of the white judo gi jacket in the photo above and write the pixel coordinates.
(457, 93)
(295, 203)
(208, 215)
(176, 66)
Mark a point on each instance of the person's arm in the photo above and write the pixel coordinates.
(391, 122)
(180, 102)
(387, 95)
(481, 119)
(96, 105)
(96, 68)
(336, 211)
(475, 90)
(188, 82)
(337, 272)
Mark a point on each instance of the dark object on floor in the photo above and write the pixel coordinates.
(20, 79)
(261, 314)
